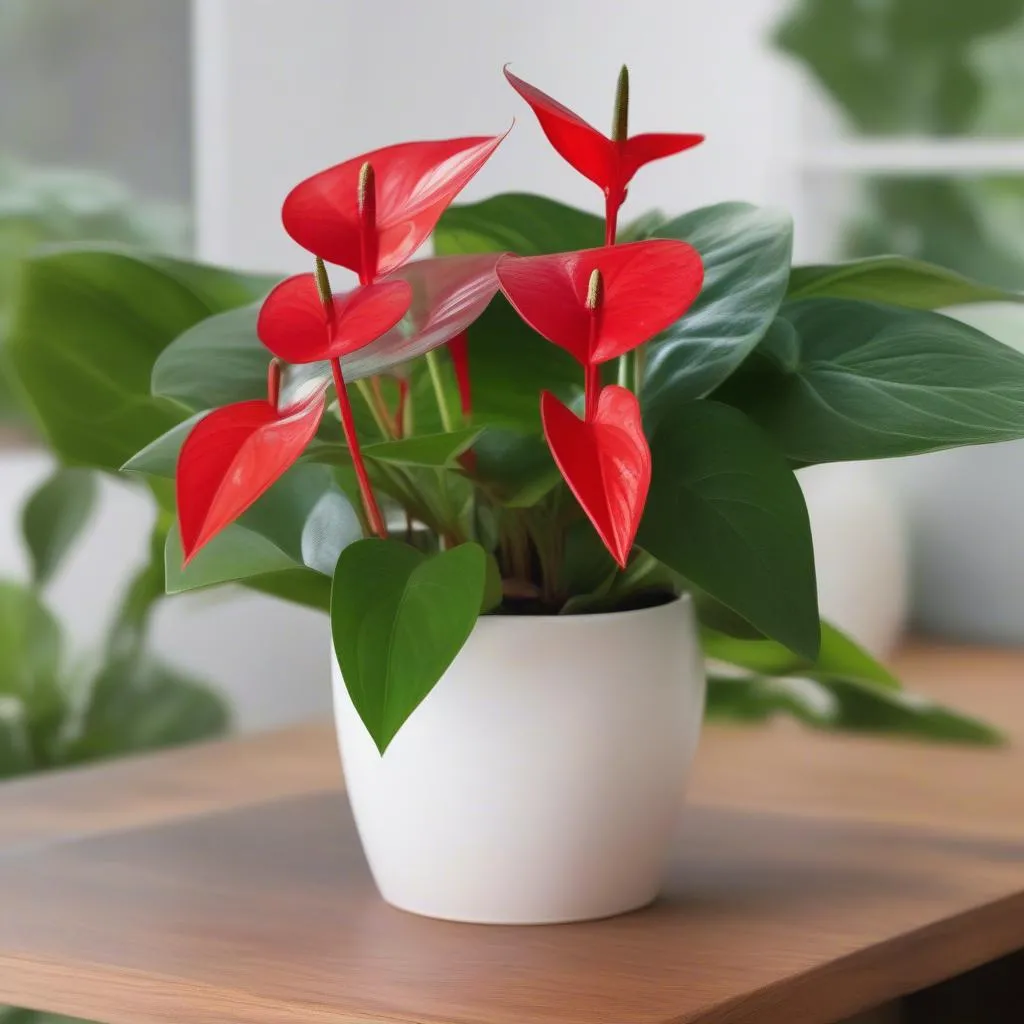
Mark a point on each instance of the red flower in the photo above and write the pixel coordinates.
(605, 461)
(645, 286)
(233, 456)
(412, 184)
(609, 163)
(294, 324)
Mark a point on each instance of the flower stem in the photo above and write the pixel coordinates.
(442, 404)
(348, 425)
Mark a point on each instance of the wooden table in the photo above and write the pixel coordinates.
(817, 876)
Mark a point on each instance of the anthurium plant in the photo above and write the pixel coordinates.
(554, 415)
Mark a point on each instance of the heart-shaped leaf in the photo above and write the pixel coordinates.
(896, 280)
(395, 639)
(414, 181)
(233, 456)
(293, 324)
(746, 254)
(645, 286)
(875, 381)
(725, 511)
(605, 462)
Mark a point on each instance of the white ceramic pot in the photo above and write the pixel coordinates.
(542, 778)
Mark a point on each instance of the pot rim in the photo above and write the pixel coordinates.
(684, 598)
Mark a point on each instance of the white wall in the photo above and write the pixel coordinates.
(286, 88)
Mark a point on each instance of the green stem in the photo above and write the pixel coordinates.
(435, 379)
(375, 411)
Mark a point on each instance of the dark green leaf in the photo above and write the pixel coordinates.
(137, 705)
(130, 626)
(895, 280)
(89, 326)
(436, 450)
(234, 554)
(746, 253)
(726, 512)
(839, 656)
(399, 618)
(841, 704)
(516, 469)
(527, 225)
(875, 381)
(54, 516)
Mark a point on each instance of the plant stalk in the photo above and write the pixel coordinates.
(348, 425)
(438, 384)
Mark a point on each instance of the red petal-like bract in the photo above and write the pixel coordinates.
(232, 457)
(415, 181)
(645, 287)
(448, 294)
(458, 349)
(606, 463)
(295, 327)
(609, 164)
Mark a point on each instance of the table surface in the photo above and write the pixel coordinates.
(816, 876)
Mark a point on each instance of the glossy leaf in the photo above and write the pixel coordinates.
(54, 517)
(232, 457)
(415, 181)
(160, 457)
(841, 704)
(293, 324)
(89, 327)
(517, 222)
(896, 280)
(725, 511)
(608, 164)
(839, 656)
(395, 640)
(645, 287)
(746, 253)
(875, 381)
(438, 450)
(605, 462)
(516, 469)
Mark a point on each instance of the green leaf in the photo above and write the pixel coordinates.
(432, 450)
(839, 656)
(527, 225)
(399, 618)
(16, 754)
(725, 511)
(160, 457)
(842, 704)
(89, 326)
(137, 705)
(286, 545)
(54, 516)
(516, 469)
(219, 360)
(875, 381)
(746, 253)
(896, 280)
(234, 554)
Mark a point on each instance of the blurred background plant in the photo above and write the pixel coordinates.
(925, 68)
